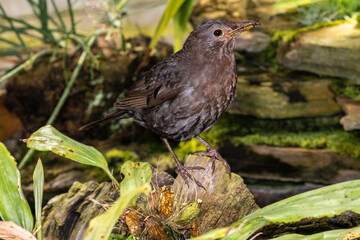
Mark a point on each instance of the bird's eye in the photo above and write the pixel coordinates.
(218, 32)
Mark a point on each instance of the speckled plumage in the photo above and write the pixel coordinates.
(185, 94)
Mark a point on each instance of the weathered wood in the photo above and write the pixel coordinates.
(67, 216)
(279, 96)
(352, 109)
(330, 51)
(224, 201)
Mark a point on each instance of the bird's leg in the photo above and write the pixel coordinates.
(182, 170)
(211, 152)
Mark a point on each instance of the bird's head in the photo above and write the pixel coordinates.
(217, 35)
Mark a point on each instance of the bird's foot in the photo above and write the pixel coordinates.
(183, 171)
(215, 155)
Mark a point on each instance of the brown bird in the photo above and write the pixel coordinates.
(185, 94)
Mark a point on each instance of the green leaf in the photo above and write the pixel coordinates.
(13, 205)
(38, 177)
(101, 226)
(181, 19)
(340, 234)
(135, 176)
(323, 202)
(171, 9)
(48, 138)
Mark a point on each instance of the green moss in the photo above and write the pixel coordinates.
(345, 87)
(119, 237)
(122, 156)
(336, 140)
(233, 125)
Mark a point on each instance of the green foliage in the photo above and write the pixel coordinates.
(341, 234)
(101, 226)
(345, 87)
(323, 202)
(13, 205)
(48, 138)
(179, 10)
(181, 20)
(38, 177)
(135, 175)
(311, 12)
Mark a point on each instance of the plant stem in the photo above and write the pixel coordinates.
(63, 97)
(71, 17)
(113, 179)
(21, 66)
(59, 15)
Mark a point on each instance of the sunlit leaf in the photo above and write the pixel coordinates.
(48, 138)
(171, 9)
(181, 19)
(101, 226)
(135, 175)
(38, 177)
(340, 234)
(323, 202)
(13, 205)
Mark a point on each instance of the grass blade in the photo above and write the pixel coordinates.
(38, 178)
(13, 205)
(101, 226)
(43, 18)
(181, 19)
(57, 12)
(71, 13)
(339, 234)
(48, 138)
(171, 9)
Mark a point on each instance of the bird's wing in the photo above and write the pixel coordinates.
(152, 89)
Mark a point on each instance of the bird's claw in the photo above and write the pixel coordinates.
(183, 171)
(215, 155)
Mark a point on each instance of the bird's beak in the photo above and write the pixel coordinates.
(243, 26)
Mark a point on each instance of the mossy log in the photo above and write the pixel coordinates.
(225, 200)
(291, 165)
(329, 51)
(280, 96)
(67, 216)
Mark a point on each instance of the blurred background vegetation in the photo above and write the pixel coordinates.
(294, 125)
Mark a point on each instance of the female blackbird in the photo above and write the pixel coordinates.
(185, 94)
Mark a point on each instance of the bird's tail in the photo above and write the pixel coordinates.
(106, 119)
